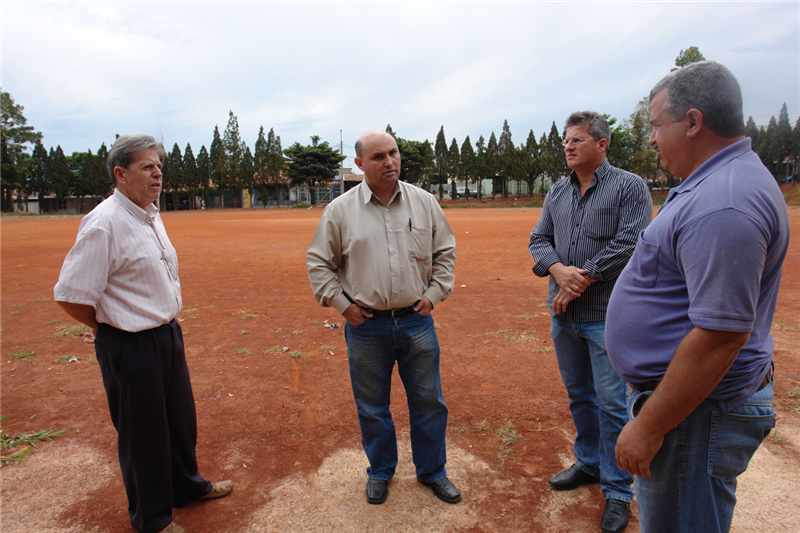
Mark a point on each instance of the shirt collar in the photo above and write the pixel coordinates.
(144, 216)
(367, 194)
(732, 151)
(601, 172)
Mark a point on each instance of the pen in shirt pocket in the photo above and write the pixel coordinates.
(409, 224)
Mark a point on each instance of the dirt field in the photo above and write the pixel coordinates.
(273, 397)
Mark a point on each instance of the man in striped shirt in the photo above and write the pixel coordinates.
(586, 234)
(121, 280)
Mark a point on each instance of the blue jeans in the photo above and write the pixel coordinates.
(692, 484)
(597, 402)
(372, 349)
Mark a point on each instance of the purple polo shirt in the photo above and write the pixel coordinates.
(712, 259)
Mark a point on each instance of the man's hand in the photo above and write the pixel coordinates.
(561, 300)
(424, 306)
(571, 279)
(636, 448)
(355, 314)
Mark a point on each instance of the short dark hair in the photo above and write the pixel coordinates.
(358, 148)
(127, 146)
(597, 124)
(708, 87)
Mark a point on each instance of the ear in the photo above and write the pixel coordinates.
(358, 162)
(119, 173)
(603, 144)
(696, 122)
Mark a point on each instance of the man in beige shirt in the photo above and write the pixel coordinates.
(383, 256)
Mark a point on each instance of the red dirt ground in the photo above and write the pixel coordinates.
(266, 417)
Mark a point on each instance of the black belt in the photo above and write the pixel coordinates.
(651, 385)
(394, 313)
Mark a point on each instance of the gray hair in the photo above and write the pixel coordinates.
(127, 146)
(596, 123)
(708, 87)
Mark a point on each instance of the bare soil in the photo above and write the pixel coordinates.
(273, 396)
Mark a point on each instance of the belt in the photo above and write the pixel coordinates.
(651, 385)
(394, 313)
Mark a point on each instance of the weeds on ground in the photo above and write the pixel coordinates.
(508, 436)
(483, 425)
(315, 321)
(242, 351)
(327, 348)
(244, 332)
(72, 330)
(67, 358)
(23, 355)
(297, 332)
(780, 325)
(458, 428)
(524, 317)
(296, 355)
(274, 349)
(512, 335)
(774, 438)
(244, 314)
(26, 440)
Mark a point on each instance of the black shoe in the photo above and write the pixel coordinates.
(615, 516)
(377, 491)
(572, 478)
(444, 490)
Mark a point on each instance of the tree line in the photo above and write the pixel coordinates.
(28, 168)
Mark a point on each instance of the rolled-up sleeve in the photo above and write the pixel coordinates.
(443, 259)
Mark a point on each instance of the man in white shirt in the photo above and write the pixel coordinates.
(121, 280)
(383, 256)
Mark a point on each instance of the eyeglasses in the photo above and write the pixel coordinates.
(576, 142)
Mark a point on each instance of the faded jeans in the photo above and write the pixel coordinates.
(373, 347)
(692, 483)
(597, 402)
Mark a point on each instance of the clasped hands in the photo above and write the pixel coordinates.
(572, 282)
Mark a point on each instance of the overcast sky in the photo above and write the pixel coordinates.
(86, 71)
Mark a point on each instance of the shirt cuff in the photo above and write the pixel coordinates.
(341, 303)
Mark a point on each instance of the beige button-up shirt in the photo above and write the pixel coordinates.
(123, 265)
(382, 256)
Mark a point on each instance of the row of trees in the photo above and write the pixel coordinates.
(229, 164)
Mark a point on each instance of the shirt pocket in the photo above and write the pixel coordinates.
(420, 243)
(601, 223)
(642, 269)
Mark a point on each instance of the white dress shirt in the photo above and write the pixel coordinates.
(123, 265)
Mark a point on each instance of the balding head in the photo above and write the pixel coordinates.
(378, 157)
(368, 135)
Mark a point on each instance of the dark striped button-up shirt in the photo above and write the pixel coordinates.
(596, 232)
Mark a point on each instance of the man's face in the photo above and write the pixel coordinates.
(380, 160)
(141, 181)
(586, 155)
(668, 137)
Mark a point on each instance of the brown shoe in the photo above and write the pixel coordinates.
(173, 528)
(219, 489)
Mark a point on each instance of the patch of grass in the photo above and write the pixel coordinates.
(43, 299)
(72, 330)
(67, 358)
(524, 317)
(55, 321)
(483, 425)
(242, 351)
(296, 355)
(245, 315)
(23, 355)
(274, 349)
(458, 428)
(301, 205)
(297, 332)
(248, 317)
(277, 330)
(508, 436)
(774, 439)
(18, 305)
(315, 321)
(780, 325)
(26, 442)
(327, 348)
(244, 332)
(512, 335)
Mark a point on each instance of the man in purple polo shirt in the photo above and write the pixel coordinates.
(689, 318)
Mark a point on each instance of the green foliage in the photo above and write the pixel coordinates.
(441, 159)
(688, 56)
(416, 160)
(26, 441)
(16, 138)
(314, 163)
(23, 355)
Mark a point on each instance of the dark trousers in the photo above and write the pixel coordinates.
(152, 408)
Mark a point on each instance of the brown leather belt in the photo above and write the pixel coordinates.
(651, 385)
